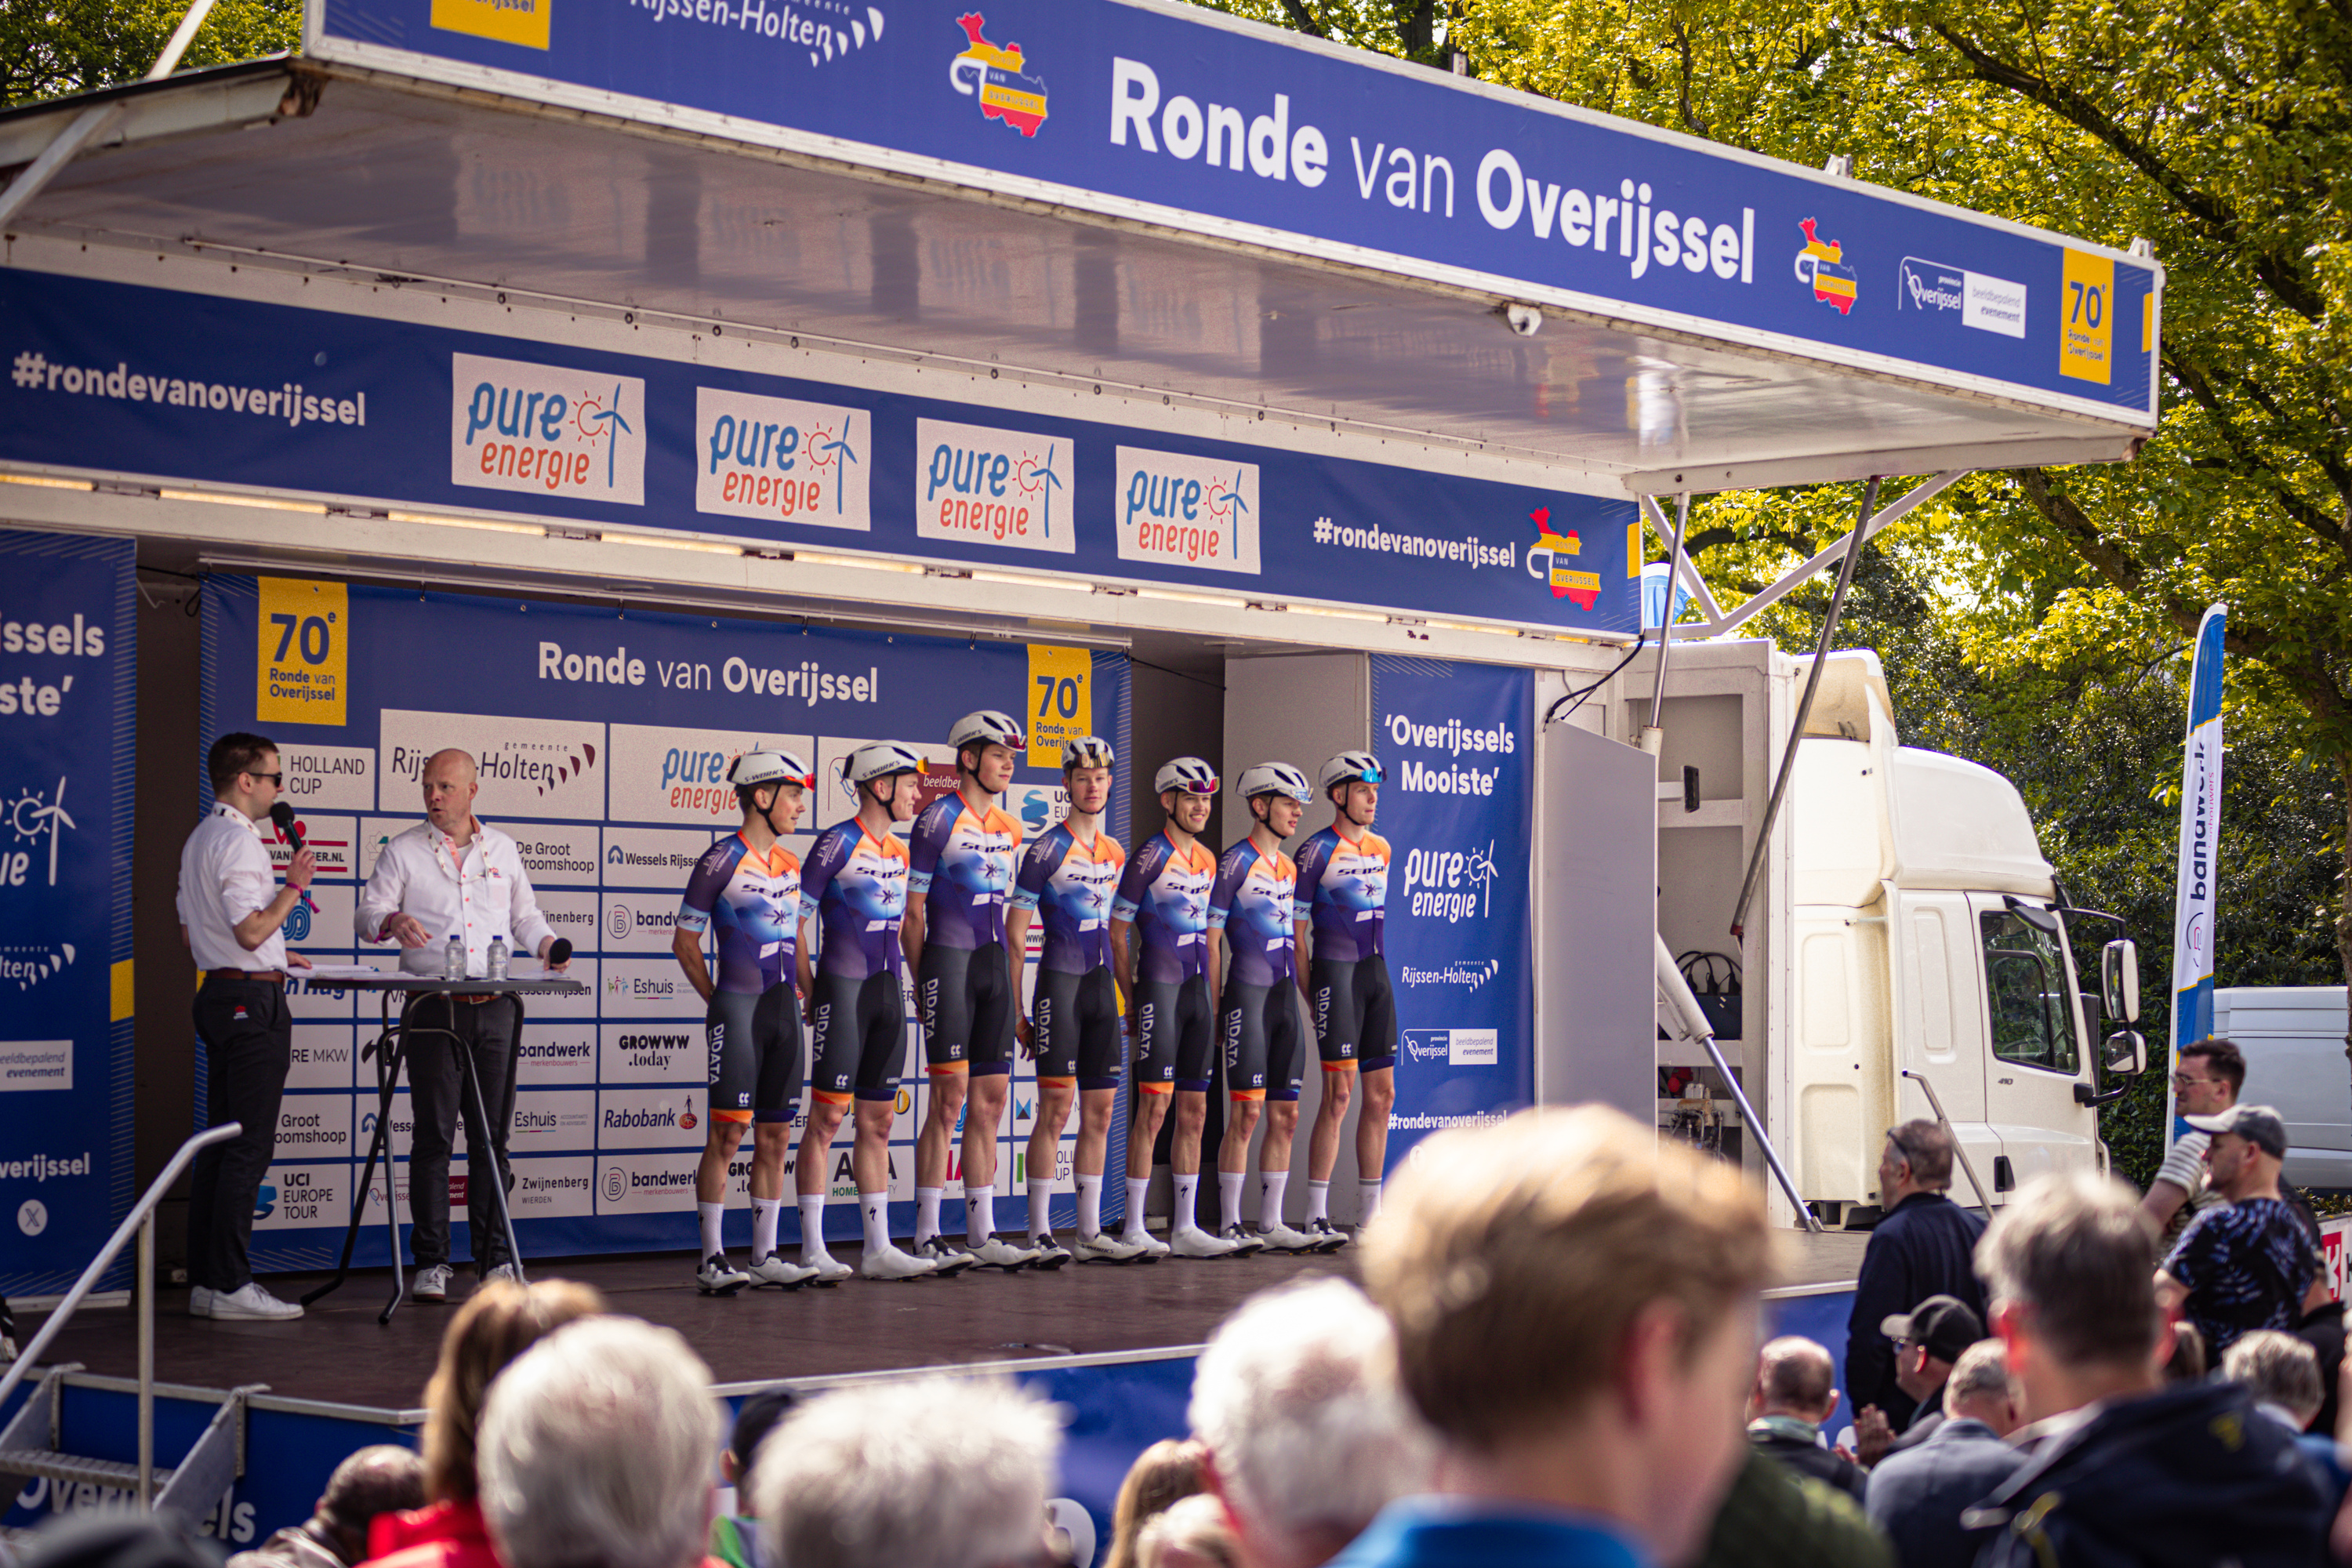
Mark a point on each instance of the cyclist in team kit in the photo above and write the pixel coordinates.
(1071, 873)
(746, 890)
(1159, 940)
(853, 896)
(963, 852)
(1343, 884)
(1258, 1014)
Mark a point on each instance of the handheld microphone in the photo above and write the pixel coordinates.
(291, 831)
(559, 952)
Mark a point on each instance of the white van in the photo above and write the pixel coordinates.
(2293, 1038)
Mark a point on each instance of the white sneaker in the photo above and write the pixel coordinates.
(1191, 1241)
(1051, 1253)
(945, 1255)
(1282, 1238)
(828, 1269)
(432, 1284)
(720, 1278)
(1325, 1235)
(503, 1271)
(998, 1252)
(776, 1269)
(1244, 1240)
(1150, 1248)
(200, 1302)
(1105, 1247)
(889, 1263)
(250, 1302)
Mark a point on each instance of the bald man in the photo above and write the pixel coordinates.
(1794, 1395)
(451, 876)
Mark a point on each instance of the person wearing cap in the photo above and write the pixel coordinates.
(1923, 1247)
(1929, 1341)
(746, 892)
(962, 855)
(1343, 889)
(1917, 1496)
(2248, 1263)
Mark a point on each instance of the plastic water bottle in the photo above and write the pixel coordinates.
(453, 957)
(497, 958)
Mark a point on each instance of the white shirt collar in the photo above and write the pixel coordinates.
(223, 808)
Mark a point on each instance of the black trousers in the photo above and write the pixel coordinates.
(486, 1032)
(249, 1037)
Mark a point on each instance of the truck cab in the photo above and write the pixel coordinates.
(1908, 936)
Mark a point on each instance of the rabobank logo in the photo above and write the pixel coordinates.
(1184, 510)
(1821, 266)
(545, 430)
(1548, 561)
(998, 77)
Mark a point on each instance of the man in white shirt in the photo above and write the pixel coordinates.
(232, 915)
(2211, 1072)
(451, 876)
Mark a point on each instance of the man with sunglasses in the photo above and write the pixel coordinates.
(1924, 1245)
(233, 917)
(2206, 1084)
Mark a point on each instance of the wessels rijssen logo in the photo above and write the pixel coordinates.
(541, 429)
(998, 77)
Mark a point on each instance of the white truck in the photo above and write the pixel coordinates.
(1906, 936)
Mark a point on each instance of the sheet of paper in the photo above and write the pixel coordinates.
(340, 971)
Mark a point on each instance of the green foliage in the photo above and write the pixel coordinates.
(73, 45)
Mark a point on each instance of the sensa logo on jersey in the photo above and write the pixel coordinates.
(543, 430)
(1183, 511)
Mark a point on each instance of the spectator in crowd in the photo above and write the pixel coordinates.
(1575, 1304)
(2322, 1329)
(732, 1541)
(1927, 1341)
(1191, 1532)
(935, 1472)
(1794, 1395)
(1171, 1468)
(497, 1323)
(595, 1450)
(2145, 1474)
(2187, 1363)
(2282, 1375)
(1309, 1434)
(1921, 1247)
(1775, 1518)
(2207, 1082)
(2247, 1263)
(378, 1479)
(116, 1538)
(1917, 1496)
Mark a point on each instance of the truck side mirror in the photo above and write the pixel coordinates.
(2127, 1053)
(2119, 980)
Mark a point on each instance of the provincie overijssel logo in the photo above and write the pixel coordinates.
(999, 77)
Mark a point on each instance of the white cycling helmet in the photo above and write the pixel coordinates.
(1186, 775)
(1089, 752)
(1274, 778)
(1349, 767)
(753, 769)
(880, 759)
(987, 727)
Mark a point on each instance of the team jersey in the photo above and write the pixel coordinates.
(1252, 904)
(962, 861)
(1346, 887)
(1074, 883)
(754, 900)
(856, 886)
(1166, 894)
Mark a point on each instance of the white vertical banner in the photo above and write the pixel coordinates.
(2194, 910)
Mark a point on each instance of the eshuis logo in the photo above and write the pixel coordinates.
(998, 77)
(1820, 267)
(1545, 566)
(541, 429)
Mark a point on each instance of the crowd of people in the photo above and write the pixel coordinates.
(1549, 1363)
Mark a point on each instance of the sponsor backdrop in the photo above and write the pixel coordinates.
(604, 741)
(112, 378)
(1166, 113)
(66, 716)
(1456, 743)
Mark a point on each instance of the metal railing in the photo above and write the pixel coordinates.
(141, 1219)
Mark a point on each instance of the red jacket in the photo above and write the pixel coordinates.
(440, 1535)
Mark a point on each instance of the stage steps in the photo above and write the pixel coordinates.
(31, 1447)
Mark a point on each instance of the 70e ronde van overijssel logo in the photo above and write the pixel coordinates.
(542, 429)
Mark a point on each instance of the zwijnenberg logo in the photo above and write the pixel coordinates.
(541, 429)
(998, 77)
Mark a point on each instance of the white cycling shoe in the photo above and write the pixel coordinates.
(716, 1277)
(889, 1263)
(1191, 1241)
(826, 1271)
(1105, 1247)
(1280, 1238)
(1151, 1249)
(1244, 1240)
(945, 1255)
(1325, 1236)
(1051, 1253)
(779, 1271)
(998, 1252)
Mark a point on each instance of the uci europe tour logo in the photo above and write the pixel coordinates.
(998, 77)
(1820, 267)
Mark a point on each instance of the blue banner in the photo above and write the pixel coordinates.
(116, 379)
(1169, 114)
(2196, 886)
(1458, 741)
(66, 705)
(603, 740)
